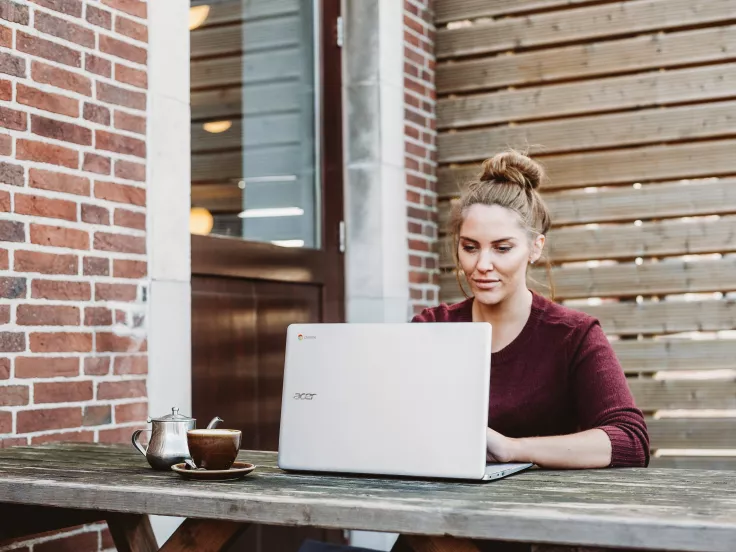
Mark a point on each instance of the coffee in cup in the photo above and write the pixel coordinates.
(214, 449)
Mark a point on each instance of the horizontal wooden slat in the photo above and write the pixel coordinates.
(651, 355)
(605, 58)
(695, 160)
(269, 161)
(250, 68)
(218, 198)
(695, 198)
(215, 167)
(627, 280)
(651, 394)
(237, 10)
(712, 120)
(692, 433)
(654, 239)
(256, 99)
(268, 130)
(458, 10)
(250, 36)
(631, 91)
(665, 316)
(586, 23)
(694, 462)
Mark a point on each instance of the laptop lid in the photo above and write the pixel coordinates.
(391, 399)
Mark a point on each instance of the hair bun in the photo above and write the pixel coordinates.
(515, 168)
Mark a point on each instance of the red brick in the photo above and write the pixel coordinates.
(46, 49)
(129, 269)
(69, 7)
(109, 141)
(61, 28)
(59, 182)
(101, 18)
(96, 163)
(55, 103)
(4, 200)
(134, 412)
(45, 207)
(115, 436)
(97, 366)
(62, 391)
(45, 263)
(46, 367)
(132, 7)
(12, 65)
(61, 342)
(97, 415)
(5, 370)
(106, 539)
(6, 90)
(97, 316)
(61, 78)
(56, 236)
(47, 315)
(94, 214)
(6, 36)
(12, 287)
(116, 292)
(11, 342)
(6, 144)
(131, 123)
(126, 365)
(66, 437)
(30, 421)
(47, 153)
(130, 171)
(11, 231)
(130, 219)
(96, 266)
(6, 424)
(131, 29)
(121, 317)
(4, 259)
(4, 319)
(119, 243)
(12, 119)
(120, 193)
(59, 130)
(108, 390)
(98, 65)
(15, 442)
(13, 395)
(14, 12)
(112, 343)
(120, 96)
(61, 291)
(97, 114)
(124, 50)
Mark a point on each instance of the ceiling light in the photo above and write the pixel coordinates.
(288, 243)
(273, 212)
(200, 221)
(216, 127)
(197, 16)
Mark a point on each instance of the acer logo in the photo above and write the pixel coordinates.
(304, 396)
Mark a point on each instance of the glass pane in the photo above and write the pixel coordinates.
(254, 141)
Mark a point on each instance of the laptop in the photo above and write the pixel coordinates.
(406, 400)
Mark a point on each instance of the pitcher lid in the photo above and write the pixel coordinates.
(173, 417)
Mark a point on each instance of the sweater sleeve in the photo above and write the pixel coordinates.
(604, 401)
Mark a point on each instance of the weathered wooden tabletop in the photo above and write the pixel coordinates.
(635, 508)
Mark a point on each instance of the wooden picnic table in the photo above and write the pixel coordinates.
(49, 487)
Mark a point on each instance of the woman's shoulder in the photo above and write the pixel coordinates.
(555, 314)
(456, 312)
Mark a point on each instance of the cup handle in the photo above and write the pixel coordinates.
(136, 444)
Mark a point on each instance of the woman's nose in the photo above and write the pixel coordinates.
(485, 261)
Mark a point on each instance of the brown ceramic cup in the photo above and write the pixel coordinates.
(214, 449)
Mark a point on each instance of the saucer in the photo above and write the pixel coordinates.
(237, 471)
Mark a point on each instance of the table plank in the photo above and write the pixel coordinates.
(687, 510)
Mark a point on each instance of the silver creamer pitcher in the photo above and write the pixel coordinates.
(168, 443)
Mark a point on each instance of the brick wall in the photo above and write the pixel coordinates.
(420, 133)
(73, 262)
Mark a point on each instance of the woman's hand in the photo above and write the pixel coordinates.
(499, 448)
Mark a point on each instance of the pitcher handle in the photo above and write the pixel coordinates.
(136, 444)
(214, 421)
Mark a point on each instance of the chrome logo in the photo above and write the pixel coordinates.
(300, 337)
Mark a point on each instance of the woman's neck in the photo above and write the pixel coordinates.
(513, 310)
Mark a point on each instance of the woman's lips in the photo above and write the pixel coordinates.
(486, 283)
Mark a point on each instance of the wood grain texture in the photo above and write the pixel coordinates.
(635, 508)
(653, 355)
(653, 394)
(204, 535)
(458, 10)
(692, 433)
(130, 532)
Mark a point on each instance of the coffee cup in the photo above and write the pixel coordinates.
(214, 449)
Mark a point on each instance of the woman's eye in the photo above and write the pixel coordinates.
(469, 248)
(504, 248)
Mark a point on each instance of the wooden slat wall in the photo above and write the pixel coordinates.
(631, 107)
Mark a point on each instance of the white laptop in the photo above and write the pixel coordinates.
(388, 399)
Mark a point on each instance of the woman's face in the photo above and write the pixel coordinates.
(494, 250)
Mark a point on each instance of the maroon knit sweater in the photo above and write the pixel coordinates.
(559, 376)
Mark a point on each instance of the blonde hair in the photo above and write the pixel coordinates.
(509, 179)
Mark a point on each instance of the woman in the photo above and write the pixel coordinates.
(559, 397)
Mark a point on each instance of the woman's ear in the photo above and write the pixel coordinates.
(537, 248)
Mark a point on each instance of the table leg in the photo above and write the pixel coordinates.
(204, 535)
(415, 543)
(132, 533)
